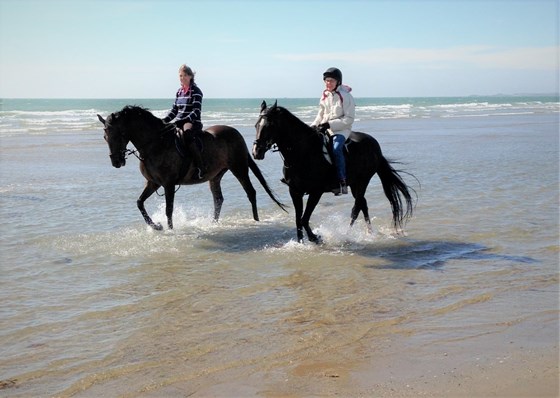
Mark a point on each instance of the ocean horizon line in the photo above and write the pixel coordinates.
(39, 115)
(499, 95)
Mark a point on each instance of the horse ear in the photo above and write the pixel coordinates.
(275, 104)
(101, 119)
(263, 106)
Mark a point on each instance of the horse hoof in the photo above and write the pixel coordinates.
(317, 240)
(157, 227)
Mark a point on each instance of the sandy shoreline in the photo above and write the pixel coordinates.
(519, 360)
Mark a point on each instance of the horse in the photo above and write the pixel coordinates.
(307, 171)
(164, 164)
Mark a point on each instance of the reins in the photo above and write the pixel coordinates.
(136, 152)
(274, 146)
(133, 152)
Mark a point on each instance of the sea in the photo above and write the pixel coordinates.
(95, 303)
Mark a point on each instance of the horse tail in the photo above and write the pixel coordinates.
(396, 190)
(257, 172)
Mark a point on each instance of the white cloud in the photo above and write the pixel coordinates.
(540, 58)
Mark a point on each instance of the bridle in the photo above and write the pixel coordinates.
(132, 152)
(269, 144)
(123, 153)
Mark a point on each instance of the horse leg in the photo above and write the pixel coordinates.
(312, 202)
(149, 189)
(243, 178)
(364, 207)
(360, 204)
(354, 213)
(169, 200)
(216, 189)
(365, 211)
(297, 200)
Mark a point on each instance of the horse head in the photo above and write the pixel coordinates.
(266, 134)
(278, 126)
(115, 138)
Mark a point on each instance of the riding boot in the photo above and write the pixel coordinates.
(342, 189)
(197, 160)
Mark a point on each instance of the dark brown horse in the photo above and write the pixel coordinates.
(306, 170)
(163, 165)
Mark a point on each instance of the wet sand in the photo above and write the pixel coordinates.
(519, 360)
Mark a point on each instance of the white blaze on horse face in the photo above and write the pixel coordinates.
(260, 125)
(258, 150)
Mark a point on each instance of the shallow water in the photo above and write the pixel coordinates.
(94, 301)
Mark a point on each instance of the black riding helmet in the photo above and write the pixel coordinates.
(333, 73)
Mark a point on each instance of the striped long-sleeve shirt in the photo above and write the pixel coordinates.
(187, 107)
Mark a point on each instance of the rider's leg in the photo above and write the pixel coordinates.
(340, 163)
(195, 152)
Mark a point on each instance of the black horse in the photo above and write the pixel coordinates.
(163, 164)
(306, 170)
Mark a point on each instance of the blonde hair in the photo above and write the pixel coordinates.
(187, 70)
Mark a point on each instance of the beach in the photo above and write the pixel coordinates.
(462, 302)
(512, 362)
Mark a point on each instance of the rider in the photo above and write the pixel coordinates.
(185, 113)
(335, 118)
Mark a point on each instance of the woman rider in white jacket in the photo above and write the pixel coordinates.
(335, 117)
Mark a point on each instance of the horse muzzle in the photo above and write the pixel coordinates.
(118, 160)
(259, 151)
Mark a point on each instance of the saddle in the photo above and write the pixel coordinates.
(183, 140)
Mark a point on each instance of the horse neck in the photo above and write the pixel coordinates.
(143, 134)
(293, 132)
(296, 140)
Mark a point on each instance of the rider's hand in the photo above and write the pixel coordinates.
(323, 127)
(317, 129)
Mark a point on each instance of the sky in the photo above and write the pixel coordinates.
(277, 48)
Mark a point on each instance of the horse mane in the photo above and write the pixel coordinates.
(130, 112)
(289, 117)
